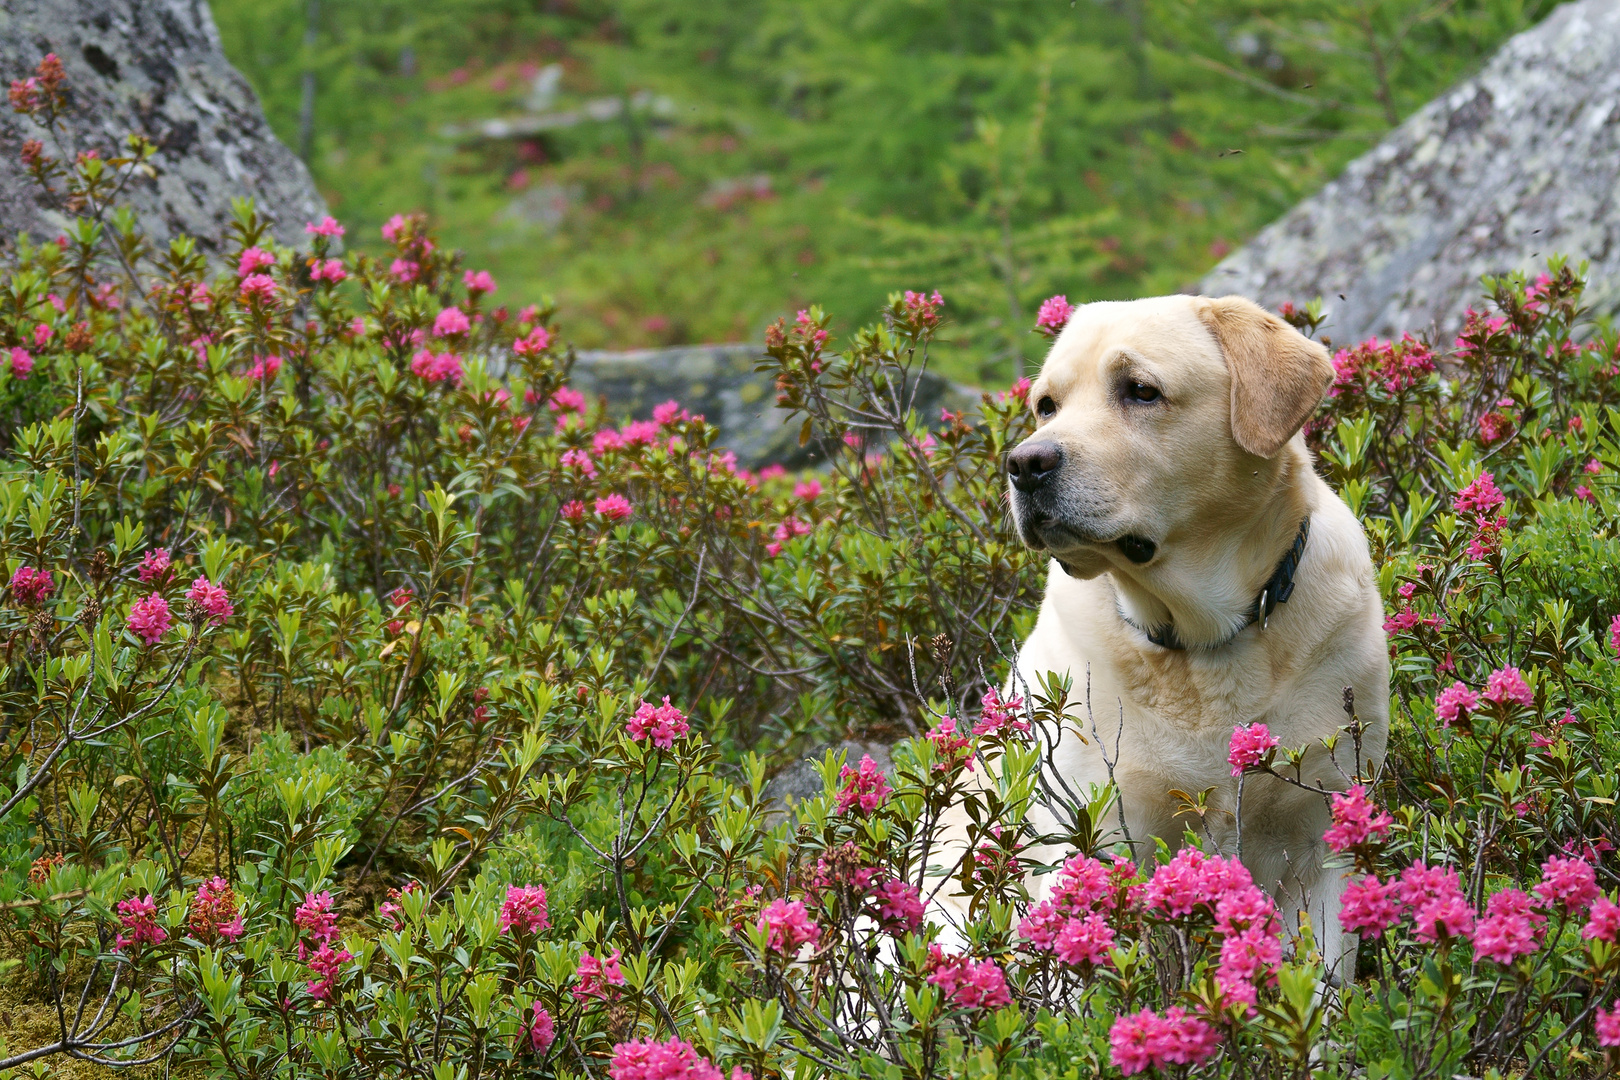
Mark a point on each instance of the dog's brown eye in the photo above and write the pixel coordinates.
(1046, 408)
(1137, 391)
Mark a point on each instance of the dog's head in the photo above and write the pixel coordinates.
(1158, 421)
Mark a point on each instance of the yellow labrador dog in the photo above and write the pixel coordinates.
(1203, 576)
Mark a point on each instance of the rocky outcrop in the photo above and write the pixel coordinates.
(1514, 165)
(154, 67)
(719, 381)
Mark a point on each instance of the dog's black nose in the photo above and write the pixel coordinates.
(1030, 464)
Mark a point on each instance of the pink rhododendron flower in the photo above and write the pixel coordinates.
(566, 400)
(391, 909)
(1569, 884)
(259, 289)
(614, 507)
(1249, 747)
(395, 225)
(211, 599)
(1356, 820)
(149, 619)
(1606, 1025)
(264, 367)
(640, 432)
(605, 440)
(326, 962)
(663, 724)
(807, 490)
(436, 367)
(998, 716)
(922, 308)
(253, 260)
(540, 1032)
(952, 750)
(534, 342)
(648, 1059)
(404, 271)
(31, 587)
(1452, 702)
(1084, 884)
(330, 270)
(524, 909)
(573, 510)
(968, 983)
(1369, 908)
(787, 925)
(1584, 494)
(1054, 315)
(784, 533)
(1604, 923)
(316, 918)
(154, 565)
(598, 977)
(42, 334)
(864, 788)
(1146, 1039)
(579, 458)
(214, 912)
(1510, 928)
(1436, 900)
(137, 921)
(478, 282)
(21, 363)
(328, 226)
(1085, 940)
(670, 412)
(1481, 497)
(451, 321)
(899, 906)
(1018, 390)
(1507, 685)
(1192, 879)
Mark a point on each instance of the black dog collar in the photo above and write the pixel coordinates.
(1277, 589)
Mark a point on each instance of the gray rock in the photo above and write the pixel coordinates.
(719, 381)
(802, 779)
(154, 67)
(1514, 165)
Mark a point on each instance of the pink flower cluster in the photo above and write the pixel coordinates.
(1054, 315)
(614, 507)
(328, 227)
(149, 619)
(1506, 686)
(1246, 918)
(540, 1032)
(998, 715)
(329, 270)
(436, 367)
(1453, 703)
(1071, 922)
(1606, 1025)
(31, 587)
(478, 282)
(597, 978)
(968, 983)
(663, 724)
(524, 910)
(787, 925)
(921, 309)
(1481, 497)
(214, 912)
(899, 906)
(864, 789)
(137, 921)
(1390, 366)
(326, 962)
(452, 322)
(648, 1059)
(533, 343)
(1147, 1040)
(1249, 746)
(259, 289)
(785, 533)
(953, 751)
(211, 600)
(316, 918)
(21, 363)
(252, 261)
(391, 908)
(1356, 821)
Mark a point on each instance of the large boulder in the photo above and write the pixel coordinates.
(1514, 165)
(154, 67)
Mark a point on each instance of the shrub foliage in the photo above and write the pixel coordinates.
(374, 705)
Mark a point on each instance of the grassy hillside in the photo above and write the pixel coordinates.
(675, 172)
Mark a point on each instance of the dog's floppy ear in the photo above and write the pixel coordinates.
(1278, 374)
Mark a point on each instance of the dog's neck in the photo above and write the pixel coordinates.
(1204, 593)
